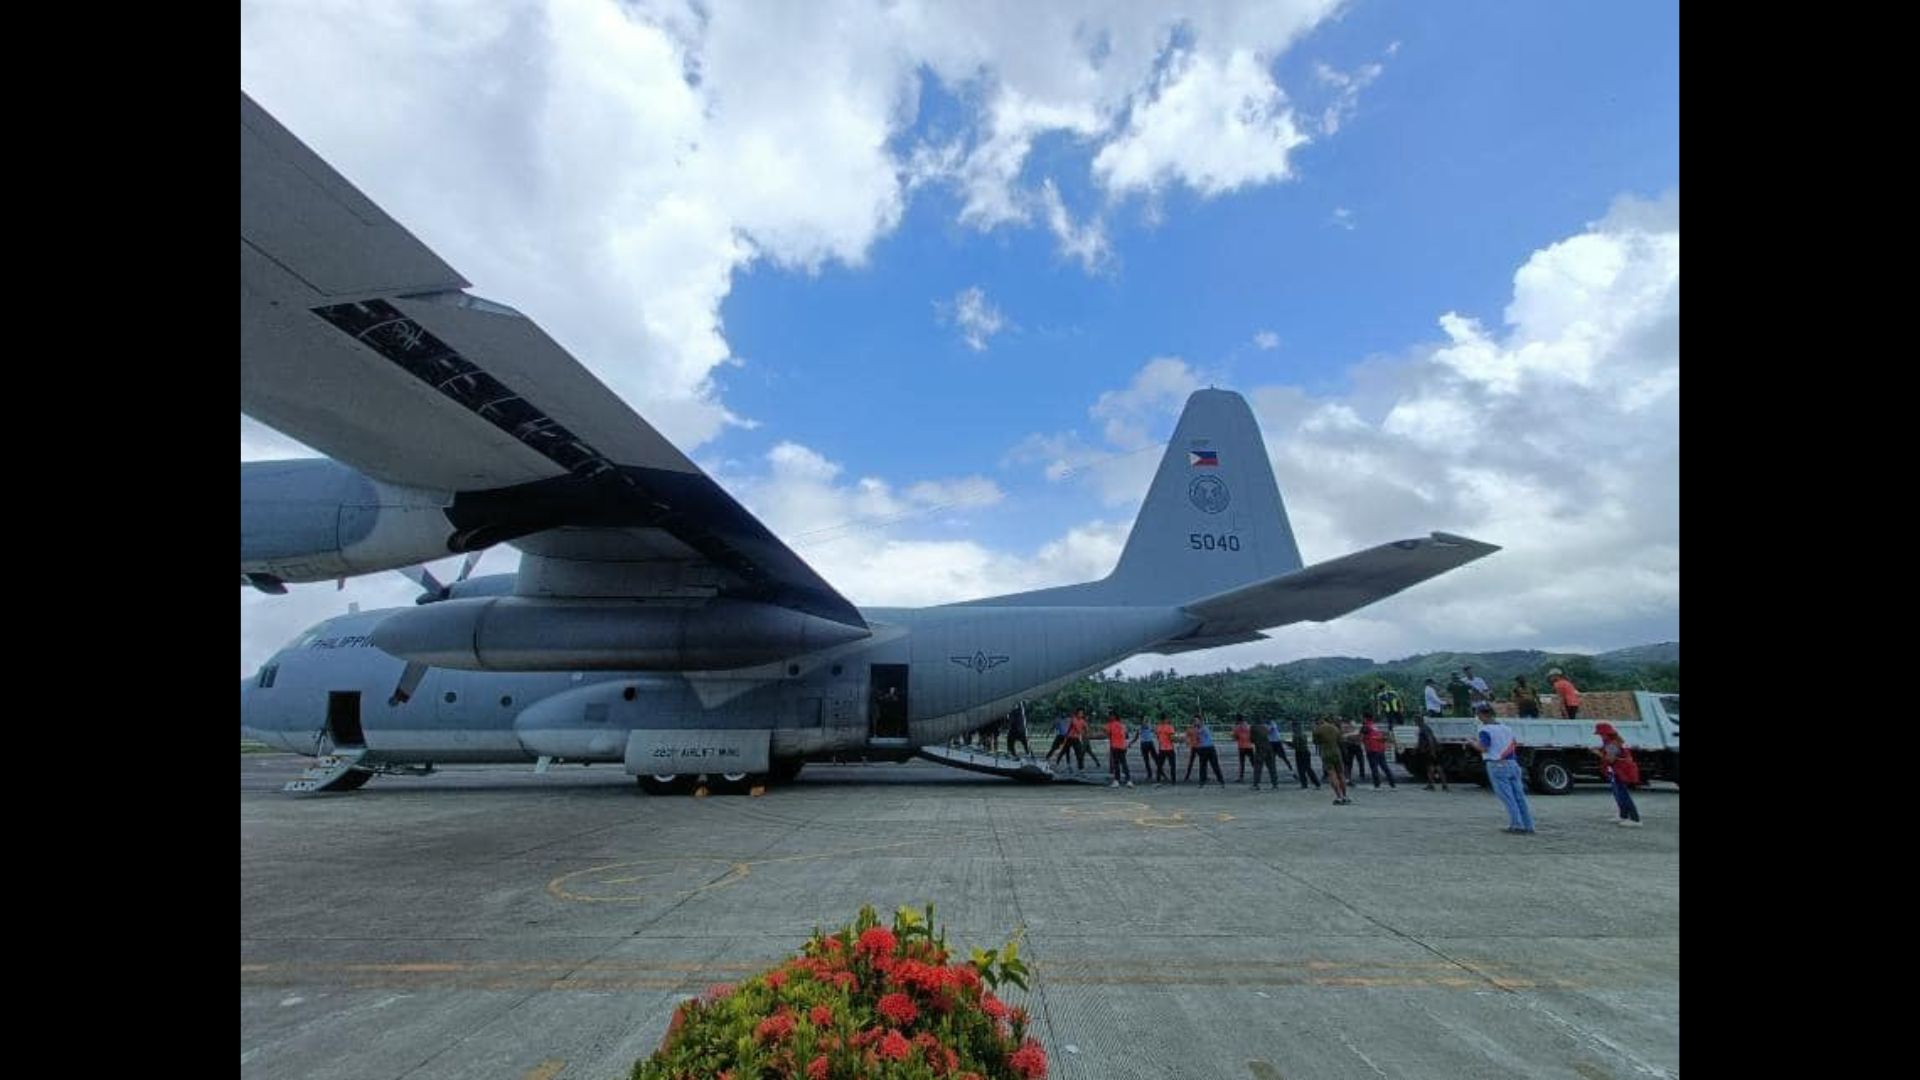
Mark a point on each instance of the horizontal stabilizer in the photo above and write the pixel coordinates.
(1212, 641)
(1331, 589)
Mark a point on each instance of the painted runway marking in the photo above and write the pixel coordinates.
(612, 883)
(1142, 814)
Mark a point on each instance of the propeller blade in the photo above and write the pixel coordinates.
(424, 578)
(409, 682)
(466, 568)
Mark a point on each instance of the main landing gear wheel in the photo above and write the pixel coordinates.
(735, 783)
(666, 785)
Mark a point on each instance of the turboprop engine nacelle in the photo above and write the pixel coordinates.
(313, 520)
(516, 633)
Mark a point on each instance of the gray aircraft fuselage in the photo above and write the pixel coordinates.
(925, 676)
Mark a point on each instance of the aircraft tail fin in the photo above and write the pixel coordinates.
(1212, 519)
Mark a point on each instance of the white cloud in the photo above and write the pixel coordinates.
(974, 314)
(1162, 384)
(1119, 467)
(870, 540)
(1266, 339)
(1347, 87)
(1093, 72)
(1086, 242)
(1343, 217)
(1213, 124)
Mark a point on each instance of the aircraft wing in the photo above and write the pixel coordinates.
(1331, 589)
(359, 341)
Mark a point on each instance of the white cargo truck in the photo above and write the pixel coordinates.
(1555, 754)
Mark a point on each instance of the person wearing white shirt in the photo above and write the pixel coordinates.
(1436, 705)
(1500, 753)
(1478, 686)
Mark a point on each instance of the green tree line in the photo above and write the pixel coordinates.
(1311, 688)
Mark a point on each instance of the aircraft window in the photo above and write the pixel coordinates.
(793, 669)
(630, 693)
(507, 701)
(452, 697)
(836, 669)
(267, 675)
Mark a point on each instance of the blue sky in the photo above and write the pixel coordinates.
(773, 272)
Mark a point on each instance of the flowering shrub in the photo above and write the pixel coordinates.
(864, 1001)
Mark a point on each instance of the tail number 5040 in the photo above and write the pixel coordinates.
(1210, 542)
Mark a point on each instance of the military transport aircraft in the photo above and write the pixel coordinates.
(653, 621)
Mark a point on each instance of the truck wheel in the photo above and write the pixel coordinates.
(1551, 775)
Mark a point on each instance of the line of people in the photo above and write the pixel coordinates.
(1355, 752)
(1358, 752)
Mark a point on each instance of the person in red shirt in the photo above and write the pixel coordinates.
(1243, 739)
(1163, 735)
(1117, 751)
(1077, 740)
(1621, 771)
(1375, 741)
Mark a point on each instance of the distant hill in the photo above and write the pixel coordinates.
(1347, 683)
(1667, 652)
(1503, 665)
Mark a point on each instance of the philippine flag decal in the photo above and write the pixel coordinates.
(1203, 459)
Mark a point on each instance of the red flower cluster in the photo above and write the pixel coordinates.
(876, 941)
(1030, 1061)
(894, 1046)
(866, 1001)
(898, 1008)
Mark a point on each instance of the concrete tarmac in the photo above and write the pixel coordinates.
(489, 922)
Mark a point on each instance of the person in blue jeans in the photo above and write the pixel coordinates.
(1499, 751)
